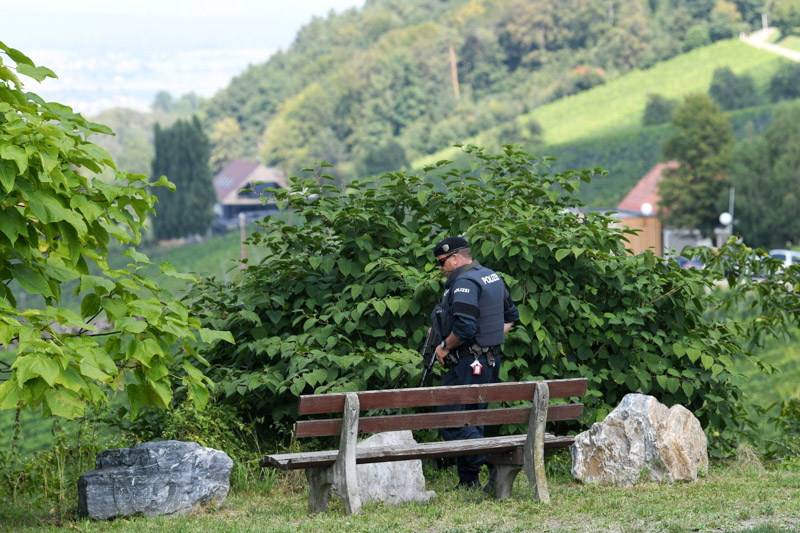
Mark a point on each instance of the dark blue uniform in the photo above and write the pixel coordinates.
(474, 307)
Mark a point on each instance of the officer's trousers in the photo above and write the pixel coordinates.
(469, 466)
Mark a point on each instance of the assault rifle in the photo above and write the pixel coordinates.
(429, 354)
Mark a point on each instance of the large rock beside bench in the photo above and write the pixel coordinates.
(396, 482)
(155, 478)
(641, 440)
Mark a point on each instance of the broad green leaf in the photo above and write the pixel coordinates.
(90, 210)
(136, 256)
(30, 280)
(89, 283)
(64, 403)
(70, 379)
(199, 394)
(37, 73)
(163, 394)
(8, 174)
(49, 209)
(210, 335)
(131, 325)
(168, 270)
(116, 308)
(561, 254)
(11, 394)
(525, 314)
(13, 224)
(90, 305)
(379, 306)
(15, 154)
(36, 365)
(90, 369)
(192, 371)
(393, 304)
(137, 398)
(148, 310)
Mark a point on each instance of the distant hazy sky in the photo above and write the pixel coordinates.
(111, 53)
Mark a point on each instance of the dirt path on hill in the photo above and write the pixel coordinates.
(759, 40)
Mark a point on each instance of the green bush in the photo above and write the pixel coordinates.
(340, 301)
(785, 83)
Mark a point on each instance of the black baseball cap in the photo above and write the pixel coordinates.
(449, 245)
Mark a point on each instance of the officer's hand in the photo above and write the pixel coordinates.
(441, 353)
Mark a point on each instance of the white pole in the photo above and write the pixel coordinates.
(243, 237)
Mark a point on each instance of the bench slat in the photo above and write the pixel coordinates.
(480, 417)
(434, 396)
(294, 461)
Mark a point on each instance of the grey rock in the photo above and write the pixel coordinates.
(641, 440)
(152, 479)
(392, 482)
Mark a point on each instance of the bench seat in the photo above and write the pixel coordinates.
(425, 450)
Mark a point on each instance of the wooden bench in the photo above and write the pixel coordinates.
(509, 454)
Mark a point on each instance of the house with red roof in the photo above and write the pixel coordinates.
(639, 210)
(240, 187)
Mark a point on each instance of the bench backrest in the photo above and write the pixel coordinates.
(435, 396)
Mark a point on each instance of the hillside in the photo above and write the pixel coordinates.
(602, 126)
(371, 90)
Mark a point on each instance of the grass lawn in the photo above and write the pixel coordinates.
(734, 497)
(792, 42)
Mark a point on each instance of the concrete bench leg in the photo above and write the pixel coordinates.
(320, 480)
(533, 452)
(507, 466)
(342, 473)
(345, 476)
(505, 480)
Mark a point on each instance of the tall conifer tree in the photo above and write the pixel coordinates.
(182, 154)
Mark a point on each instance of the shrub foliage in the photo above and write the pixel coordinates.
(341, 298)
(58, 224)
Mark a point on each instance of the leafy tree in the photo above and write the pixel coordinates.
(658, 110)
(162, 102)
(385, 158)
(187, 105)
(785, 83)
(340, 302)
(226, 139)
(697, 36)
(57, 223)
(765, 172)
(725, 21)
(786, 16)
(182, 154)
(730, 91)
(690, 194)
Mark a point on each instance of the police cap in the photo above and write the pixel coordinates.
(450, 245)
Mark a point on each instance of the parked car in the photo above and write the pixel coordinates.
(789, 257)
(685, 262)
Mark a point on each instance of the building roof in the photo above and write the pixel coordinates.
(646, 190)
(240, 174)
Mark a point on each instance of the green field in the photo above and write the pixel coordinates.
(792, 42)
(618, 105)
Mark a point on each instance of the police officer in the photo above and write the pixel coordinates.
(472, 317)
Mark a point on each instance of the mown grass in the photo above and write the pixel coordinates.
(619, 104)
(732, 497)
(792, 42)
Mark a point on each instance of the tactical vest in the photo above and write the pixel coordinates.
(491, 290)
